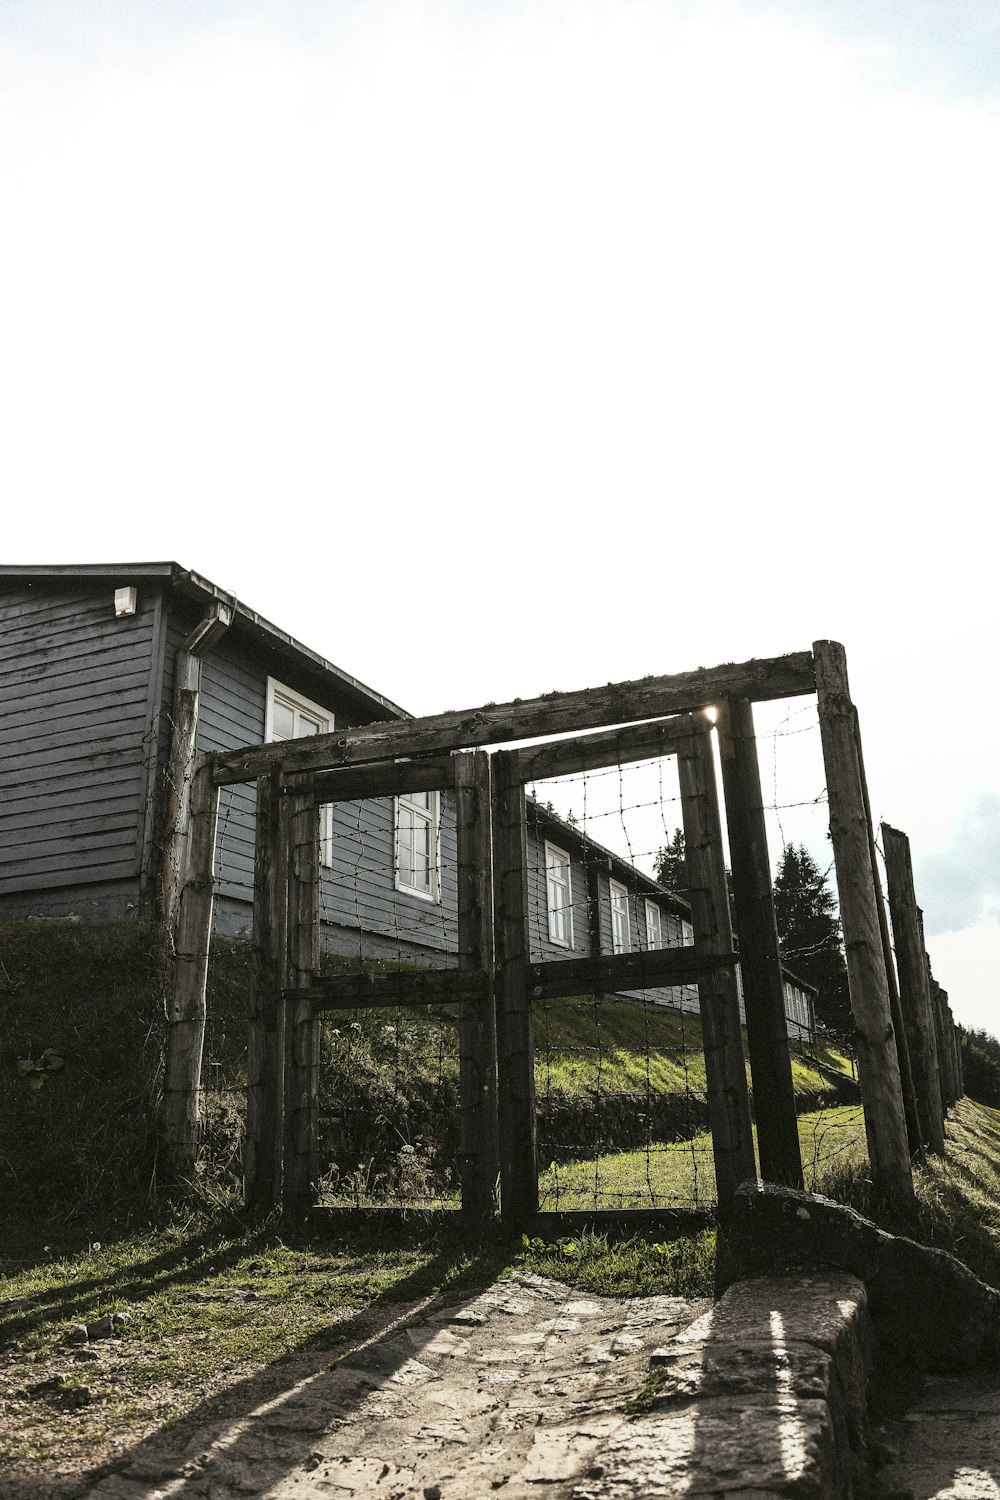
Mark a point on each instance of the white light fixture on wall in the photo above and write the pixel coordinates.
(125, 600)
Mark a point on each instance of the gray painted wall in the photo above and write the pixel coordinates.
(77, 712)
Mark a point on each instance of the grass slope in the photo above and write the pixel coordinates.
(77, 1140)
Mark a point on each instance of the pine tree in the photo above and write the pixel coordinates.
(669, 867)
(809, 935)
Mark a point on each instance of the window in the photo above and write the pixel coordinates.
(417, 862)
(289, 716)
(654, 927)
(559, 896)
(621, 938)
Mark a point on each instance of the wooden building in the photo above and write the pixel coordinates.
(89, 660)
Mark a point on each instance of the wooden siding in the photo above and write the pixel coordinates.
(361, 908)
(75, 716)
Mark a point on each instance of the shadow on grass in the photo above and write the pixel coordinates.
(203, 1254)
(264, 1427)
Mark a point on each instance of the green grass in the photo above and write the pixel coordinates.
(80, 1150)
(681, 1173)
(957, 1196)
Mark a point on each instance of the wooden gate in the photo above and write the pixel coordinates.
(710, 960)
(289, 993)
(661, 715)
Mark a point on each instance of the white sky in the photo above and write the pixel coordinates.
(493, 348)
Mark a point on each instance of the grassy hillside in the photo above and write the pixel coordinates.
(81, 1036)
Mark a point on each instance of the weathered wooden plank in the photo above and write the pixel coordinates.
(180, 1112)
(29, 840)
(617, 1223)
(479, 1145)
(617, 972)
(878, 1063)
(718, 997)
(760, 958)
(358, 783)
(96, 872)
(301, 1086)
(39, 772)
(20, 644)
(41, 686)
(515, 1044)
(105, 802)
(914, 986)
(78, 745)
(378, 988)
(623, 746)
(265, 1049)
(556, 713)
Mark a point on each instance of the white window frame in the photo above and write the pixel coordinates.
(621, 940)
(432, 814)
(654, 926)
(559, 913)
(298, 703)
(687, 933)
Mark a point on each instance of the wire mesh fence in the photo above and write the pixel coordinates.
(619, 1077)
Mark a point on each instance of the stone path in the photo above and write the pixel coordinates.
(949, 1444)
(513, 1391)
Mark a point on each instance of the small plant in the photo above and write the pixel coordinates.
(35, 1072)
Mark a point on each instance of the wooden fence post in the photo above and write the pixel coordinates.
(915, 1134)
(265, 1047)
(725, 1067)
(185, 1040)
(515, 1043)
(479, 1147)
(954, 1091)
(180, 765)
(301, 1086)
(878, 1063)
(918, 1016)
(177, 795)
(760, 959)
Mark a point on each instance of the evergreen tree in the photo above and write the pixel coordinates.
(809, 935)
(669, 868)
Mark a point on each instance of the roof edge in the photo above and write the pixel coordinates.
(194, 585)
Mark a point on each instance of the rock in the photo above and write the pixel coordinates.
(75, 1397)
(76, 1333)
(55, 1382)
(108, 1327)
(432, 1492)
(86, 1354)
(928, 1308)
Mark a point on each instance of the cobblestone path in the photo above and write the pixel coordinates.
(512, 1393)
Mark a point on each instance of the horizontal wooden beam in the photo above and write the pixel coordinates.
(528, 718)
(384, 779)
(405, 987)
(609, 748)
(621, 971)
(619, 1223)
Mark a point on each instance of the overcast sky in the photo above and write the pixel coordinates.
(495, 348)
